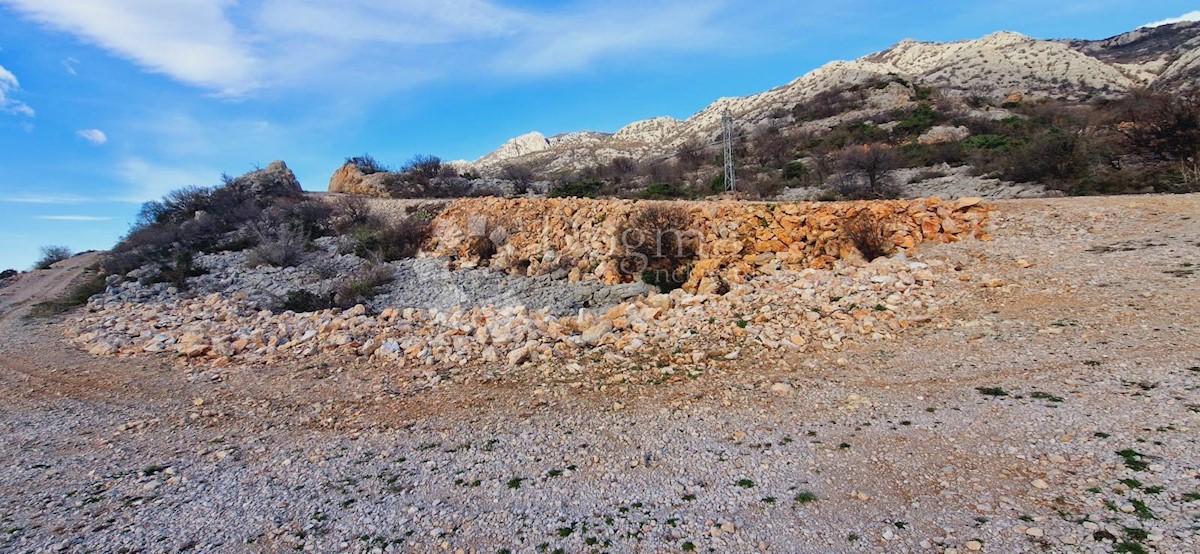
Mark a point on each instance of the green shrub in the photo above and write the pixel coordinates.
(663, 191)
(795, 171)
(921, 119)
(990, 142)
(394, 241)
(717, 184)
(583, 189)
(301, 301)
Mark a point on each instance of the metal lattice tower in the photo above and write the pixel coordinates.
(727, 131)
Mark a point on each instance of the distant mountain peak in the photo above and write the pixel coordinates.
(992, 66)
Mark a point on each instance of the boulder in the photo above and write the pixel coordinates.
(944, 133)
(274, 181)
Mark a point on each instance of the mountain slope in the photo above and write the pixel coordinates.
(993, 67)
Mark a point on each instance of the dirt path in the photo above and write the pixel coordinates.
(43, 284)
(1059, 413)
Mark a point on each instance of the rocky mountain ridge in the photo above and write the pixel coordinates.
(998, 66)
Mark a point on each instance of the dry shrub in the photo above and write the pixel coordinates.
(285, 250)
(52, 255)
(362, 285)
(479, 248)
(869, 235)
(350, 212)
(659, 245)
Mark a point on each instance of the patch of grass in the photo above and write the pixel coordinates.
(1136, 533)
(745, 483)
(806, 497)
(554, 473)
(769, 500)
(689, 497)
(1133, 459)
(1141, 510)
(1132, 483)
(689, 546)
(992, 391)
(514, 483)
(1039, 395)
(1129, 547)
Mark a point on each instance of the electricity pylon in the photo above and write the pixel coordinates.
(727, 129)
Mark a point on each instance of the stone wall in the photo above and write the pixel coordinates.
(739, 239)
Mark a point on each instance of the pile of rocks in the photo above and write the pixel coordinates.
(737, 240)
(789, 310)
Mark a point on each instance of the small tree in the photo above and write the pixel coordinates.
(520, 175)
(52, 255)
(1160, 125)
(867, 171)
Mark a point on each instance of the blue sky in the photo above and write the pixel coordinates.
(108, 103)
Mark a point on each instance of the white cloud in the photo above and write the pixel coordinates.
(94, 136)
(72, 218)
(69, 64)
(569, 41)
(9, 85)
(1190, 16)
(189, 40)
(236, 47)
(40, 199)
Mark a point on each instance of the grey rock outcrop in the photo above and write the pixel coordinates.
(274, 181)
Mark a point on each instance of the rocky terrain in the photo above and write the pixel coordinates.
(1003, 65)
(1028, 386)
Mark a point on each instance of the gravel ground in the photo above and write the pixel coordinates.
(1057, 414)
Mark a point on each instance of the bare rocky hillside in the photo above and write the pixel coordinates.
(999, 66)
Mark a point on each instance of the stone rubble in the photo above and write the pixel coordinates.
(789, 311)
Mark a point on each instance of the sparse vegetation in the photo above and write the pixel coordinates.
(869, 235)
(77, 296)
(51, 255)
(659, 245)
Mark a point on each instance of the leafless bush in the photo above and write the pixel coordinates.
(520, 175)
(325, 269)
(691, 154)
(350, 212)
(52, 255)
(367, 164)
(424, 165)
(765, 186)
(659, 245)
(869, 235)
(286, 249)
(770, 147)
